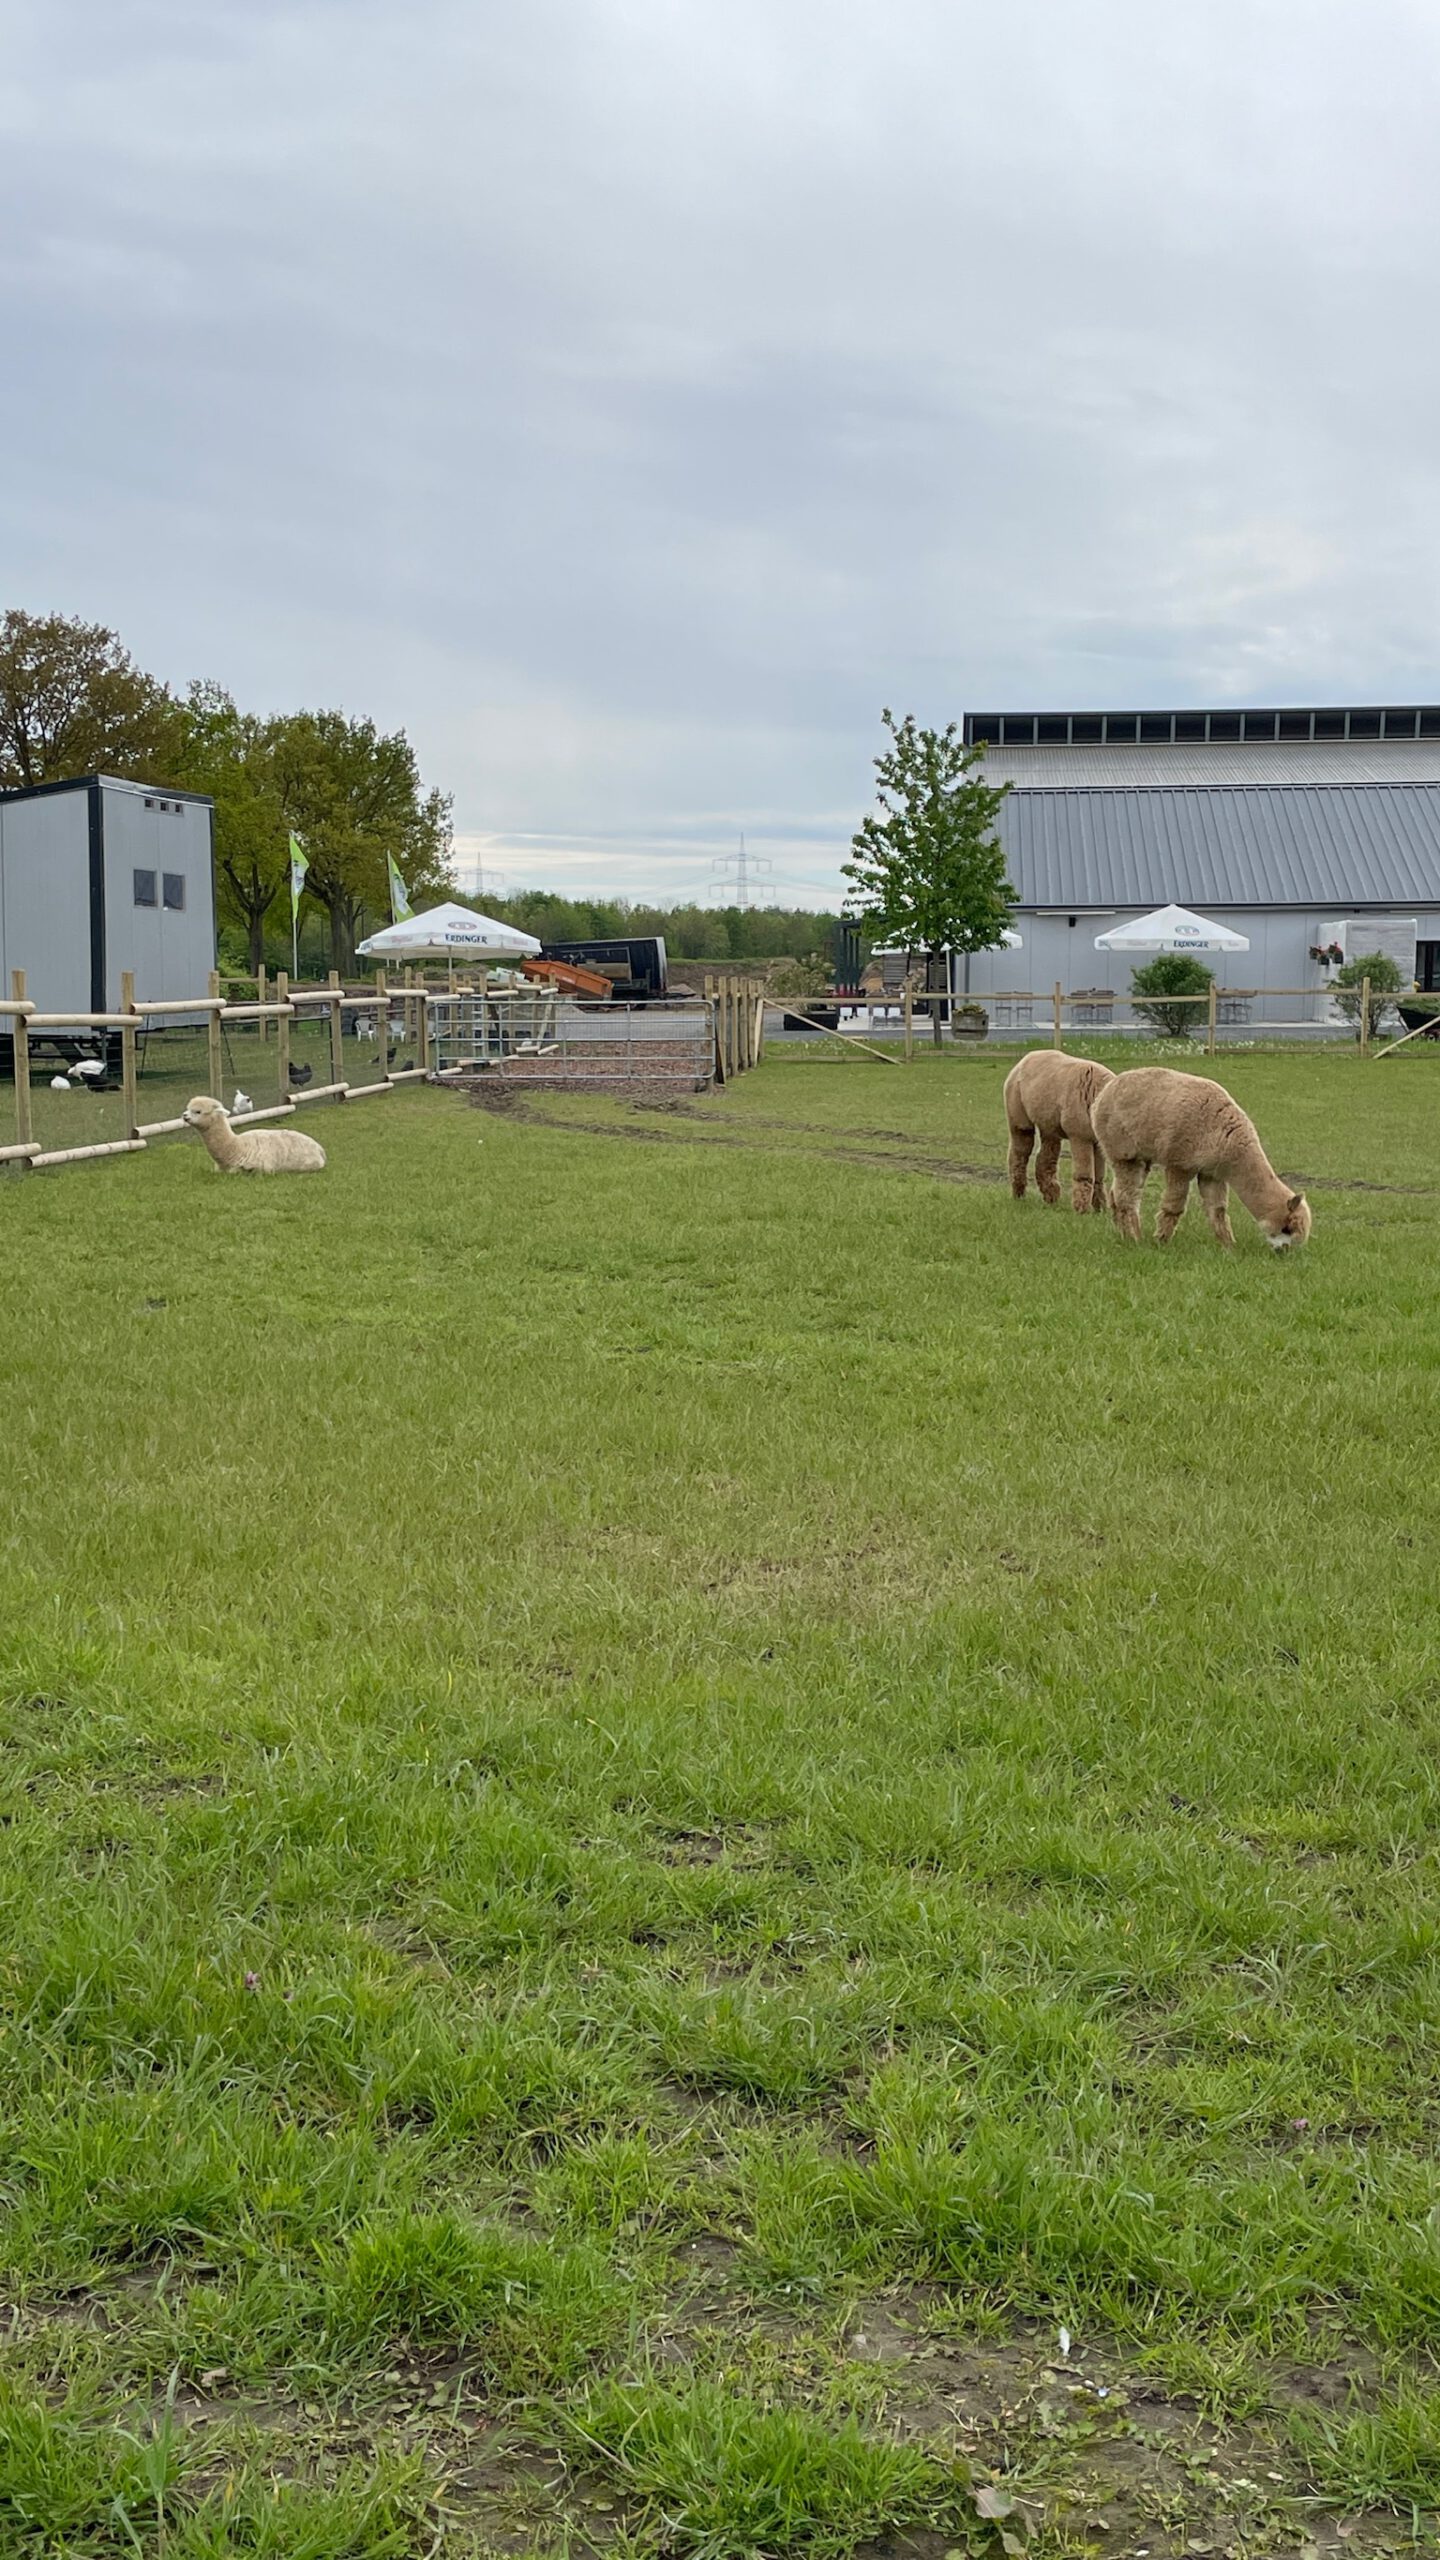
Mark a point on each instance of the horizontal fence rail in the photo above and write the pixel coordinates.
(456, 1028)
(120, 1036)
(1026, 1013)
(465, 1027)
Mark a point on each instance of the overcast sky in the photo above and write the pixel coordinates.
(628, 397)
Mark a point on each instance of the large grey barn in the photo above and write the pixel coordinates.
(99, 876)
(1297, 828)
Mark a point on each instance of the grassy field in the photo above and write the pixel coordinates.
(674, 1783)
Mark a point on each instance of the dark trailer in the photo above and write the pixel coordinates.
(635, 967)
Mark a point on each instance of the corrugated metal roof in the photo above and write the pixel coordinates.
(1290, 760)
(1329, 847)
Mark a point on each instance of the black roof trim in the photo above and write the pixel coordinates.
(107, 781)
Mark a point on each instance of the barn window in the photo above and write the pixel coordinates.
(175, 889)
(145, 889)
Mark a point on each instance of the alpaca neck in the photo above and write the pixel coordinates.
(221, 1140)
(1253, 1176)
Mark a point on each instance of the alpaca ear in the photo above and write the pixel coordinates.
(1296, 1200)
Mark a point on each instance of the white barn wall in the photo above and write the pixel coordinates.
(1279, 956)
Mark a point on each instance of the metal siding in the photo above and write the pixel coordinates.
(170, 954)
(1327, 847)
(1289, 760)
(45, 897)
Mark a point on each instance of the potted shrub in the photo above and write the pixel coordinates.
(807, 982)
(969, 1021)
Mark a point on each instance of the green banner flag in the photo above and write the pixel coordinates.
(400, 906)
(299, 865)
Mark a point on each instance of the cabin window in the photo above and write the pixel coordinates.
(175, 889)
(145, 889)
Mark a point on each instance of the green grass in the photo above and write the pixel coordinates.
(627, 1732)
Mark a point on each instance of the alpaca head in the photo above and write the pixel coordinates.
(1294, 1226)
(202, 1111)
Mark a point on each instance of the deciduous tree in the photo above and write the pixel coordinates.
(353, 795)
(928, 870)
(73, 701)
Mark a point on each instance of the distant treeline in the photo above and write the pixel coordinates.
(689, 932)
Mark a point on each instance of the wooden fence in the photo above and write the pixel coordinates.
(1080, 1014)
(735, 1043)
(272, 1017)
(738, 1005)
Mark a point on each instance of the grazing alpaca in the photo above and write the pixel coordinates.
(253, 1150)
(1056, 1095)
(1198, 1133)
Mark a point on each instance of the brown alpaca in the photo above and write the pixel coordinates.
(1056, 1095)
(1198, 1133)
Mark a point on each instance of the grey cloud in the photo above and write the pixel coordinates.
(629, 396)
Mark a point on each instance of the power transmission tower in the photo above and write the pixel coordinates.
(741, 864)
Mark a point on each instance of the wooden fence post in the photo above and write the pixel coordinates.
(760, 1029)
(24, 1128)
(337, 1041)
(1364, 1017)
(908, 1010)
(282, 1034)
(264, 1027)
(1058, 1036)
(382, 1021)
(1210, 1027)
(129, 1102)
(217, 1062)
(423, 1041)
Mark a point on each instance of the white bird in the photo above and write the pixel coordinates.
(88, 1067)
(242, 1102)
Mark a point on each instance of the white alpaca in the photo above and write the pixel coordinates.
(254, 1150)
(1197, 1131)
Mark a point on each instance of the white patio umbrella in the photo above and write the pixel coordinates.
(1171, 929)
(449, 932)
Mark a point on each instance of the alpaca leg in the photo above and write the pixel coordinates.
(1082, 1175)
(1172, 1207)
(1022, 1139)
(1098, 1201)
(1047, 1180)
(1125, 1198)
(1213, 1191)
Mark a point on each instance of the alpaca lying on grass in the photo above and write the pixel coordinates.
(1197, 1131)
(251, 1150)
(1056, 1095)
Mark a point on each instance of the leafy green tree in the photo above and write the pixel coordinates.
(354, 795)
(229, 754)
(1387, 980)
(928, 869)
(689, 932)
(73, 701)
(1170, 973)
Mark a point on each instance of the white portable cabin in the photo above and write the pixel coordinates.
(99, 876)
